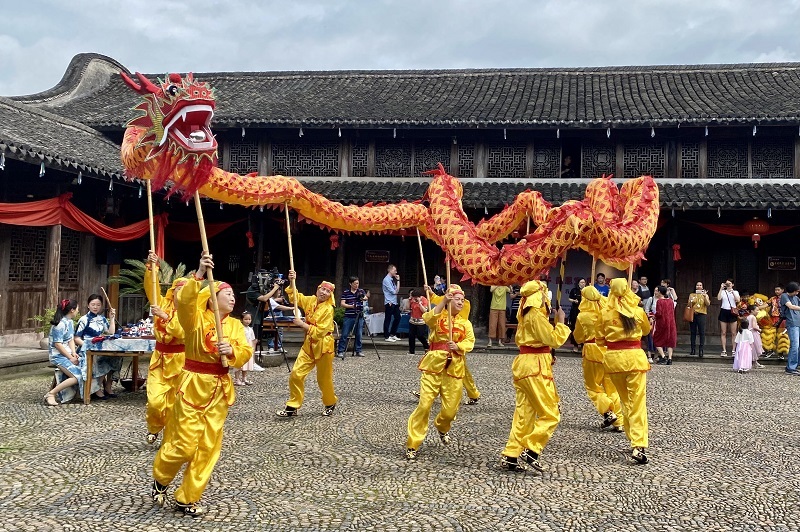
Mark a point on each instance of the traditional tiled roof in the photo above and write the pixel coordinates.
(492, 194)
(34, 135)
(91, 93)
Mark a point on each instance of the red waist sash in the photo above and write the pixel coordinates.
(441, 346)
(170, 348)
(528, 350)
(626, 344)
(207, 368)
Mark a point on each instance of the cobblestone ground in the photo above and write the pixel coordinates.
(723, 457)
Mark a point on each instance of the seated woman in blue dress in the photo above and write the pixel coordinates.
(91, 325)
(63, 353)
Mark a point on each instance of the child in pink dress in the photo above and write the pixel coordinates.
(752, 324)
(743, 357)
(240, 376)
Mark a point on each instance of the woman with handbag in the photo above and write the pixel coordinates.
(695, 313)
(728, 313)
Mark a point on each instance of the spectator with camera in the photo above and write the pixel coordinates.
(275, 310)
(353, 303)
(391, 320)
(728, 314)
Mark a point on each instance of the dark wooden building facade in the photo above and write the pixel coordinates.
(722, 141)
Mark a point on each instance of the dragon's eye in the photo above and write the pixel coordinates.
(172, 90)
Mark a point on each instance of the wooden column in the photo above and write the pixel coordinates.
(481, 168)
(5, 263)
(371, 158)
(340, 281)
(264, 157)
(529, 160)
(113, 289)
(345, 157)
(703, 159)
(53, 266)
(619, 171)
(797, 157)
(454, 164)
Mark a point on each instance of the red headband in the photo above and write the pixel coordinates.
(326, 284)
(223, 286)
(64, 304)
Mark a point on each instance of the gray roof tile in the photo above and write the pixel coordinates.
(91, 93)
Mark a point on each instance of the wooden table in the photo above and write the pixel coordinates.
(91, 353)
(269, 329)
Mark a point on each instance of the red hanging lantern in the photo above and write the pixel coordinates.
(755, 228)
(334, 242)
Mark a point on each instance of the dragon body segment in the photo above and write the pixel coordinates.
(171, 142)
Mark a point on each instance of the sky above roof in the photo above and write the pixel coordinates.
(38, 39)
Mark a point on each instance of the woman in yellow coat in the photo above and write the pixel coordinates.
(166, 363)
(623, 324)
(536, 413)
(193, 434)
(317, 350)
(599, 388)
(443, 368)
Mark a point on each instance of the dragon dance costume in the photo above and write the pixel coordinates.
(317, 351)
(193, 433)
(166, 363)
(599, 388)
(443, 372)
(536, 414)
(626, 363)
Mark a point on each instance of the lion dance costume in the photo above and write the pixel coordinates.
(166, 363)
(536, 414)
(623, 324)
(599, 388)
(443, 372)
(193, 434)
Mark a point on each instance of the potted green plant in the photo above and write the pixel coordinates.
(131, 279)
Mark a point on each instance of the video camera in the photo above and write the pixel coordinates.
(263, 280)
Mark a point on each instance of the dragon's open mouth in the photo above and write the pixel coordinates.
(190, 127)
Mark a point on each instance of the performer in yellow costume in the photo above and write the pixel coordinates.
(443, 369)
(599, 388)
(473, 394)
(623, 324)
(536, 413)
(166, 363)
(193, 434)
(317, 350)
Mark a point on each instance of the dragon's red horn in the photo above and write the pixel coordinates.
(175, 78)
(146, 86)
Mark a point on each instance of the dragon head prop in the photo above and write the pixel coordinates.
(175, 114)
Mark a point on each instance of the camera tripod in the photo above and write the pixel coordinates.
(364, 330)
(275, 340)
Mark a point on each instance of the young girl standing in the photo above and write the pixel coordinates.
(241, 374)
(743, 357)
(63, 353)
(752, 324)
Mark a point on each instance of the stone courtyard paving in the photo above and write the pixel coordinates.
(723, 457)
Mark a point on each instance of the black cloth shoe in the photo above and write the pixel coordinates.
(288, 411)
(512, 464)
(669, 362)
(638, 455)
(158, 492)
(329, 410)
(691, 353)
(445, 438)
(472, 401)
(411, 454)
(608, 419)
(700, 352)
(532, 459)
(190, 508)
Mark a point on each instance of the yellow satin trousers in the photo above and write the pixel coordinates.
(601, 391)
(302, 367)
(536, 415)
(632, 389)
(161, 392)
(192, 436)
(469, 384)
(431, 386)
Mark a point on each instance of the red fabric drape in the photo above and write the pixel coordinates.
(737, 230)
(61, 211)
